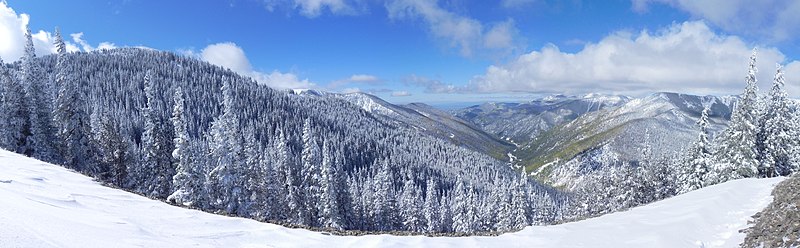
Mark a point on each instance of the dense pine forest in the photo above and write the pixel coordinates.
(181, 130)
(178, 129)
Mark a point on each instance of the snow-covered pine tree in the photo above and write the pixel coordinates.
(285, 203)
(736, 154)
(699, 158)
(410, 203)
(187, 179)
(520, 205)
(254, 192)
(311, 159)
(505, 209)
(384, 204)
(154, 177)
(70, 115)
(225, 179)
(431, 207)
(330, 215)
(462, 221)
(780, 135)
(16, 120)
(112, 149)
(40, 141)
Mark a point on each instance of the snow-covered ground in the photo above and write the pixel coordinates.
(43, 205)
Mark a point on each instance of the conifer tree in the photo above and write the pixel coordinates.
(737, 144)
(155, 177)
(431, 208)
(186, 180)
(330, 216)
(225, 185)
(779, 134)
(699, 158)
(14, 105)
(70, 114)
(39, 142)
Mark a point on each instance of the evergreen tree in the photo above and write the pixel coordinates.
(411, 205)
(520, 205)
(328, 209)
(311, 179)
(70, 115)
(187, 179)
(225, 189)
(384, 204)
(154, 178)
(699, 158)
(39, 142)
(780, 135)
(737, 144)
(431, 208)
(462, 221)
(14, 105)
(113, 149)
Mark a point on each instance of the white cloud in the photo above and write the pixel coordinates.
(685, 57)
(78, 38)
(12, 36)
(778, 20)
(356, 79)
(433, 85)
(463, 33)
(516, 3)
(401, 93)
(231, 56)
(350, 90)
(314, 8)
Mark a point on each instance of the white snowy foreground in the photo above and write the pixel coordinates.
(43, 205)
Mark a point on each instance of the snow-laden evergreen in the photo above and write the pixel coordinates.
(41, 134)
(780, 135)
(736, 152)
(699, 160)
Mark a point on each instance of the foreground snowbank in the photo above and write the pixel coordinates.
(43, 205)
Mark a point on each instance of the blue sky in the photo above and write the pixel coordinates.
(446, 51)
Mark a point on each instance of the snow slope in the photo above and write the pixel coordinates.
(43, 205)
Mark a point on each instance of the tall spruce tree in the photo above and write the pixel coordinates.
(14, 105)
(699, 158)
(779, 134)
(225, 179)
(737, 149)
(40, 140)
(154, 178)
(70, 114)
(187, 179)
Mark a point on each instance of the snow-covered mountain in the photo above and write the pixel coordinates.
(664, 121)
(522, 122)
(44, 205)
(432, 121)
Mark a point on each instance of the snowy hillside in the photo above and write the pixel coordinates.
(43, 205)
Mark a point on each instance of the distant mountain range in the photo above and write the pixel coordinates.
(550, 136)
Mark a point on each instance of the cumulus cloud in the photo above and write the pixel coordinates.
(231, 56)
(401, 93)
(466, 34)
(314, 8)
(516, 3)
(433, 85)
(356, 79)
(684, 57)
(78, 38)
(12, 36)
(776, 19)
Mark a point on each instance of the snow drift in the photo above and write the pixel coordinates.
(44, 205)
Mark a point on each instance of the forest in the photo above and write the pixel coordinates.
(181, 130)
